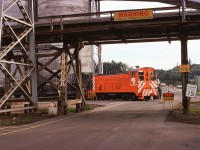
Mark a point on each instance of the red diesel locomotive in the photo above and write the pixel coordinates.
(139, 83)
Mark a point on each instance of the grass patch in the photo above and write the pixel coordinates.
(198, 93)
(194, 108)
(195, 111)
(85, 108)
(72, 110)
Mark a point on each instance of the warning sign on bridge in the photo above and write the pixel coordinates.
(133, 15)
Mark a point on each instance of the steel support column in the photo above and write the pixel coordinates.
(7, 81)
(100, 64)
(33, 54)
(78, 72)
(96, 8)
(1, 18)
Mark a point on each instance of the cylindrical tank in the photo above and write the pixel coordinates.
(62, 7)
(54, 7)
(65, 7)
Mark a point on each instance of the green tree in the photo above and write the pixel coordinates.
(114, 67)
(174, 76)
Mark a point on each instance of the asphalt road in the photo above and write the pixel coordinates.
(119, 125)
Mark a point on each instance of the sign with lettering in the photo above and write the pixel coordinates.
(133, 15)
(63, 70)
(168, 96)
(184, 68)
(191, 90)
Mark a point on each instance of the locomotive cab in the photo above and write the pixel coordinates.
(147, 83)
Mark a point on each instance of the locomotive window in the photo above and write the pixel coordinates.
(133, 74)
(147, 76)
(153, 75)
(141, 75)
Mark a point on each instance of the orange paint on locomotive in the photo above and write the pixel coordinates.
(138, 83)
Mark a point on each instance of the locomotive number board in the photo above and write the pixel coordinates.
(168, 96)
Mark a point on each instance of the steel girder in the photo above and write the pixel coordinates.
(195, 4)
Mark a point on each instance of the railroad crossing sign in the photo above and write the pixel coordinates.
(191, 90)
(168, 97)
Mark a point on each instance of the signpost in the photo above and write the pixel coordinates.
(63, 70)
(184, 68)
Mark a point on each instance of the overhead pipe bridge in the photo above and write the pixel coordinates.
(76, 30)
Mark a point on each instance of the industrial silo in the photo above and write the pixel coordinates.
(65, 7)
(54, 7)
(61, 7)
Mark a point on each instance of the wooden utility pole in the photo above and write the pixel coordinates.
(79, 75)
(184, 61)
(62, 106)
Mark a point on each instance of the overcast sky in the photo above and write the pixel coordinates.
(160, 55)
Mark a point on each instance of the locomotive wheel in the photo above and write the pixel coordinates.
(134, 97)
(147, 98)
(126, 97)
(156, 97)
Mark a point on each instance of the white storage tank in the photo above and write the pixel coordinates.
(62, 7)
(66, 7)
(55, 7)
